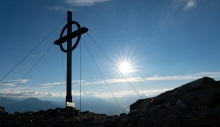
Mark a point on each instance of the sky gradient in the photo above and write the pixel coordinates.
(167, 42)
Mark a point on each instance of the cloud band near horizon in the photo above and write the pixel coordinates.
(112, 81)
(21, 92)
(139, 79)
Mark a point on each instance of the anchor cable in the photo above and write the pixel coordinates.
(27, 73)
(113, 64)
(80, 74)
(31, 51)
(102, 76)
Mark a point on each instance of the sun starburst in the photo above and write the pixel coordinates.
(126, 65)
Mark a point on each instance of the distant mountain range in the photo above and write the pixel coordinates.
(89, 103)
(7, 100)
(30, 104)
(93, 104)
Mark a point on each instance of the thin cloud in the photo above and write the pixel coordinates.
(186, 4)
(90, 94)
(25, 94)
(34, 93)
(111, 81)
(21, 93)
(96, 82)
(49, 85)
(120, 94)
(84, 2)
(52, 84)
(176, 3)
(137, 79)
(148, 93)
(185, 77)
(190, 4)
(13, 82)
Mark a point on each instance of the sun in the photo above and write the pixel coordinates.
(125, 67)
(126, 63)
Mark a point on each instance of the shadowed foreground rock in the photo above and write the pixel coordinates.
(52, 118)
(194, 104)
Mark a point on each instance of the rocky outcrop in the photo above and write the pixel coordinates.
(2, 112)
(194, 104)
(52, 117)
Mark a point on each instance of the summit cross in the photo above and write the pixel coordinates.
(70, 35)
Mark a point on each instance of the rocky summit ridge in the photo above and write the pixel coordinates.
(195, 104)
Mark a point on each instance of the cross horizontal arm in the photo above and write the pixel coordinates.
(72, 35)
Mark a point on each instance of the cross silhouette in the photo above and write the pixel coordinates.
(70, 35)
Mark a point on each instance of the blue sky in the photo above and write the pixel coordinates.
(167, 43)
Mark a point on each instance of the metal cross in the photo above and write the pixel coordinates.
(69, 50)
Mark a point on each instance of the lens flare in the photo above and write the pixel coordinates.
(126, 64)
(125, 67)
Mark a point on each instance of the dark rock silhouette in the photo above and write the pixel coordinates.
(194, 104)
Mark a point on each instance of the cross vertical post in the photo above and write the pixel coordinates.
(70, 48)
(69, 60)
